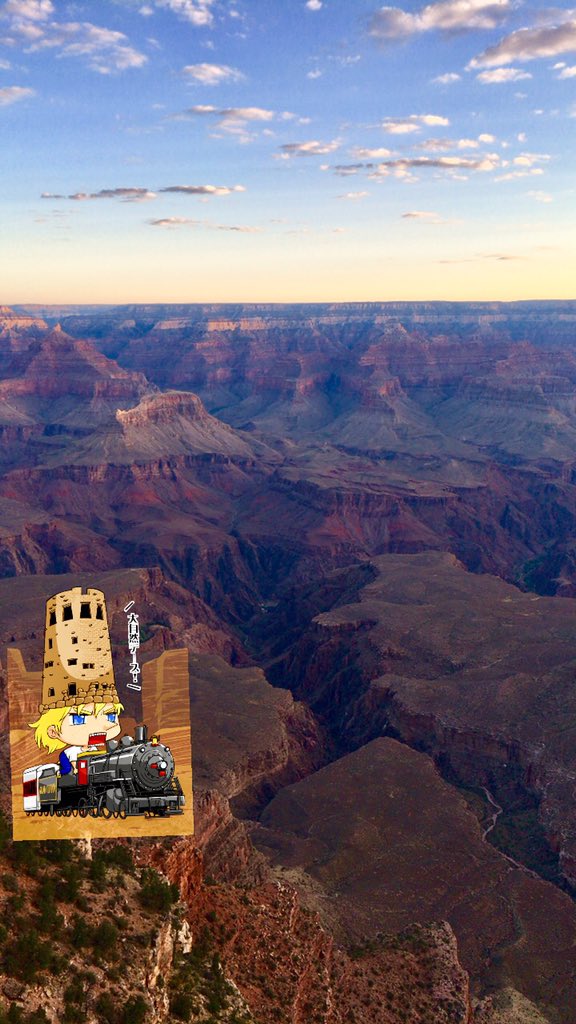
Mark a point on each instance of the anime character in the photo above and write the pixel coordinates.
(80, 708)
(76, 729)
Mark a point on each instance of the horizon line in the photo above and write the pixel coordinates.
(283, 302)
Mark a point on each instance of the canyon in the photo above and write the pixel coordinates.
(361, 522)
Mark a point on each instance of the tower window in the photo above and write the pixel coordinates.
(85, 612)
(99, 612)
(71, 689)
(72, 661)
(67, 613)
(52, 619)
(50, 643)
(51, 692)
(74, 639)
(48, 664)
(87, 664)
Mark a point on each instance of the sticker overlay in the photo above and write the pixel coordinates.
(90, 756)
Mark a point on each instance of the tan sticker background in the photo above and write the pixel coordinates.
(166, 712)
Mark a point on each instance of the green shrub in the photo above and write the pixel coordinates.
(81, 932)
(26, 955)
(181, 1005)
(107, 1008)
(57, 851)
(49, 918)
(24, 856)
(71, 876)
(15, 1015)
(75, 992)
(97, 871)
(135, 1011)
(5, 832)
(155, 893)
(104, 938)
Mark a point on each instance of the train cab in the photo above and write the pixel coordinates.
(35, 781)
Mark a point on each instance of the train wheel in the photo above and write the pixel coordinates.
(83, 807)
(122, 811)
(103, 809)
(67, 812)
(58, 812)
(74, 812)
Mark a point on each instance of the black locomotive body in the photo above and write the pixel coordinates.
(132, 776)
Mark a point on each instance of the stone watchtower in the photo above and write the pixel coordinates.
(77, 654)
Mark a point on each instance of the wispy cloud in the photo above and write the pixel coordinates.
(229, 113)
(528, 172)
(401, 167)
(314, 5)
(521, 166)
(413, 123)
(29, 10)
(354, 195)
(525, 165)
(379, 153)
(445, 16)
(10, 94)
(530, 159)
(540, 197)
(203, 190)
(501, 76)
(425, 216)
(568, 72)
(448, 79)
(529, 44)
(139, 195)
(311, 148)
(212, 74)
(237, 121)
(197, 12)
(30, 25)
(126, 195)
(497, 256)
(177, 222)
(172, 222)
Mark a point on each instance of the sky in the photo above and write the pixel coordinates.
(286, 151)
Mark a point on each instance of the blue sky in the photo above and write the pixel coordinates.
(284, 150)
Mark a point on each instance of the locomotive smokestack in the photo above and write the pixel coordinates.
(141, 734)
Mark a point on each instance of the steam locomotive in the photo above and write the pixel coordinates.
(132, 776)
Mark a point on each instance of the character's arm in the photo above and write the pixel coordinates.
(66, 765)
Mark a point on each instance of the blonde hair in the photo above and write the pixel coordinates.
(56, 716)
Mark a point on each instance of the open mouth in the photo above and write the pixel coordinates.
(97, 739)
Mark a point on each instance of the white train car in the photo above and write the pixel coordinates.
(32, 785)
